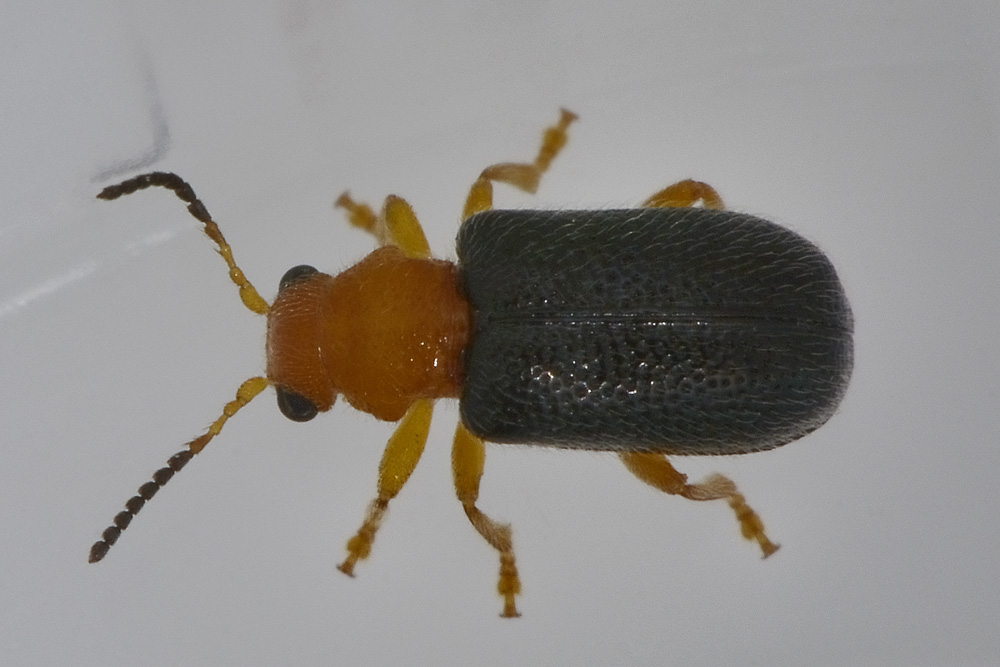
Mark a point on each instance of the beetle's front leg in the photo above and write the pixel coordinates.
(685, 193)
(468, 456)
(400, 458)
(523, 175)
(397, 225)
(655, 470)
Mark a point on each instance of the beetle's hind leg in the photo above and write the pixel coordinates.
(468, 456)
(655, 470)
(685, 193)
(523, 175)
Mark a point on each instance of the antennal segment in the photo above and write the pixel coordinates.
(246, 393)
(251, 298)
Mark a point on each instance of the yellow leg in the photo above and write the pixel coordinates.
(521, 175)
(685, 193)
(362, 216)
(400, 458)
(396, 226)
(655, 470)
(468, 456)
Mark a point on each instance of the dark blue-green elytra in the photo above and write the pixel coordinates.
(672, 330)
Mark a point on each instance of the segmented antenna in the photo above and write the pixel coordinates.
(251, 298)
(244, 395)
(135, 503)
(246, 392)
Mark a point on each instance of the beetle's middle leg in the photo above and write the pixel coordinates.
(400, 458)
(655, 470)
(523, 175)
(685, 193)
(468, 455)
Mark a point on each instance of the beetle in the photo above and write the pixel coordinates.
(668, 329)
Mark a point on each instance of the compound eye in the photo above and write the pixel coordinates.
(295, 407)
(295, 274)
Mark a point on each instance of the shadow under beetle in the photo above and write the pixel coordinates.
(659, 330)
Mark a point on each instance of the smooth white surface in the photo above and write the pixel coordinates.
(872, 128)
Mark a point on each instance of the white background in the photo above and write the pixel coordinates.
(873, 128)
